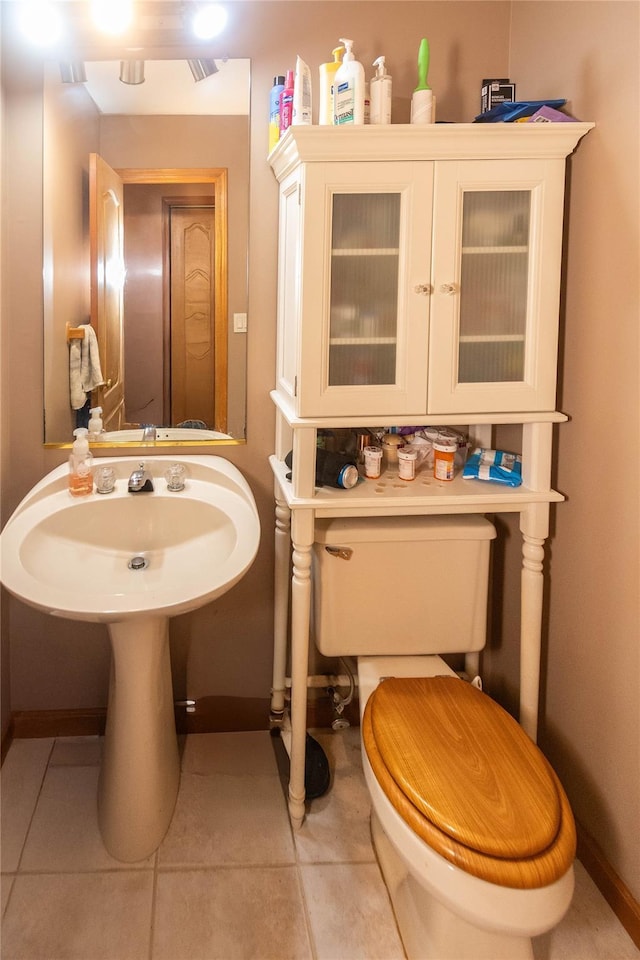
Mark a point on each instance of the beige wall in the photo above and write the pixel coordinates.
(592, 731)
(581, 50)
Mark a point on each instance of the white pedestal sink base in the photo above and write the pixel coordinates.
(140, 772)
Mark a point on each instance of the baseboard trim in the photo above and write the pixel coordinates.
(612, 888)
(212, 715)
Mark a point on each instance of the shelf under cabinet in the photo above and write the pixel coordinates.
(390, 495)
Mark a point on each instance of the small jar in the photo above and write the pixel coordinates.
(444, 452)
(372, 462)
(390, 444)
(407, 463)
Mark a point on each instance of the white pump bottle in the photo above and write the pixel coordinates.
(95, 424)
(348, 89)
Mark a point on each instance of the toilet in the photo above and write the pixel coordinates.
(473, 831)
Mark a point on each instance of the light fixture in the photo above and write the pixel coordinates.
(202, 68)
(73, 71)
(40, 22)
(112, 16)
(132, 71)
(209, 20)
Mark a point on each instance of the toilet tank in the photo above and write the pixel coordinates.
(401, 585)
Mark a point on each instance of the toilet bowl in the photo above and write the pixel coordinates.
(472, 829)
(445, 906)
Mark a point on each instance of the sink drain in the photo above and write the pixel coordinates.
(138, 563)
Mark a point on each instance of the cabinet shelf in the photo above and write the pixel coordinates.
(495, 250)
(493, 338)
(365, 252)
(361, 341)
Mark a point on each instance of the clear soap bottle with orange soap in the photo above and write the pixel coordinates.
(80, 465)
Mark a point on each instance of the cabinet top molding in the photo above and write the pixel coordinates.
(405, 141)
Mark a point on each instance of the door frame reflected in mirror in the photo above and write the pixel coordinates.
(213, 183)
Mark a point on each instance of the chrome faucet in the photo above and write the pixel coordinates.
(140, 481)
(148, 431)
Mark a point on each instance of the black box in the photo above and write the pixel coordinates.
(495, 92)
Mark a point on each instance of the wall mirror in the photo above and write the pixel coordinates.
(176, 135)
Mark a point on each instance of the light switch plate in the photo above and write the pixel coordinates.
(239, 323)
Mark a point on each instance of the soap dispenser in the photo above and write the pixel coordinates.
(95, 424)
(80, 465)
(348, 89)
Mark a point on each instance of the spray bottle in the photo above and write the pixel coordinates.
(380, 93)
(348, 89)
(80, 465)
(286, 103)
(423, 102)
(95, 423)
(274, 111)
(327, 77)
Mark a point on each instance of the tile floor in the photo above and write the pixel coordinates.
(230, 880)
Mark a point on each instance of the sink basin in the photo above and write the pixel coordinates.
(132, 561)
(178, 434)
(71, 556)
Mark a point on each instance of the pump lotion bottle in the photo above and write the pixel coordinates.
(348, 89)
(327, 78)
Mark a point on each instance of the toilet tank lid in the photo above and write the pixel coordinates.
(376, 529)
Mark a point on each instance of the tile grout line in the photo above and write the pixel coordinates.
(17, 871)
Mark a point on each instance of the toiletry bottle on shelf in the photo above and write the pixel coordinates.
(380, 93)
(367, 103)
(95, 424)
(286, 103)
(327, 77)
(348, 89)
(80, 465)
(301, 94)
(423, 102)
(274, 111)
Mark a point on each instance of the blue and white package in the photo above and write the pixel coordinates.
(494, 465)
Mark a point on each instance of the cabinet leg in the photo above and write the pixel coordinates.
(281, 609)
(300, 619)
(532, 591)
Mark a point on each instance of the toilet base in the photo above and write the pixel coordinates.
(429, 929)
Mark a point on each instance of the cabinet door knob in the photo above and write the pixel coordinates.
(423, 288)
(449, 288)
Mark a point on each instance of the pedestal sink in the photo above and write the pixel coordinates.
(132, 561)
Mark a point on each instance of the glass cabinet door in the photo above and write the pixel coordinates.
(493, 338)
(363, 304)
(494, 275)
(367, 235)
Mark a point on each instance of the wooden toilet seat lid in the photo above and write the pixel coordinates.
(467, 778)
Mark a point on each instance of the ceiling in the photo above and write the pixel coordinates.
(169, 88)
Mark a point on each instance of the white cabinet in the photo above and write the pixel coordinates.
(419, 278)
(420, 268)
